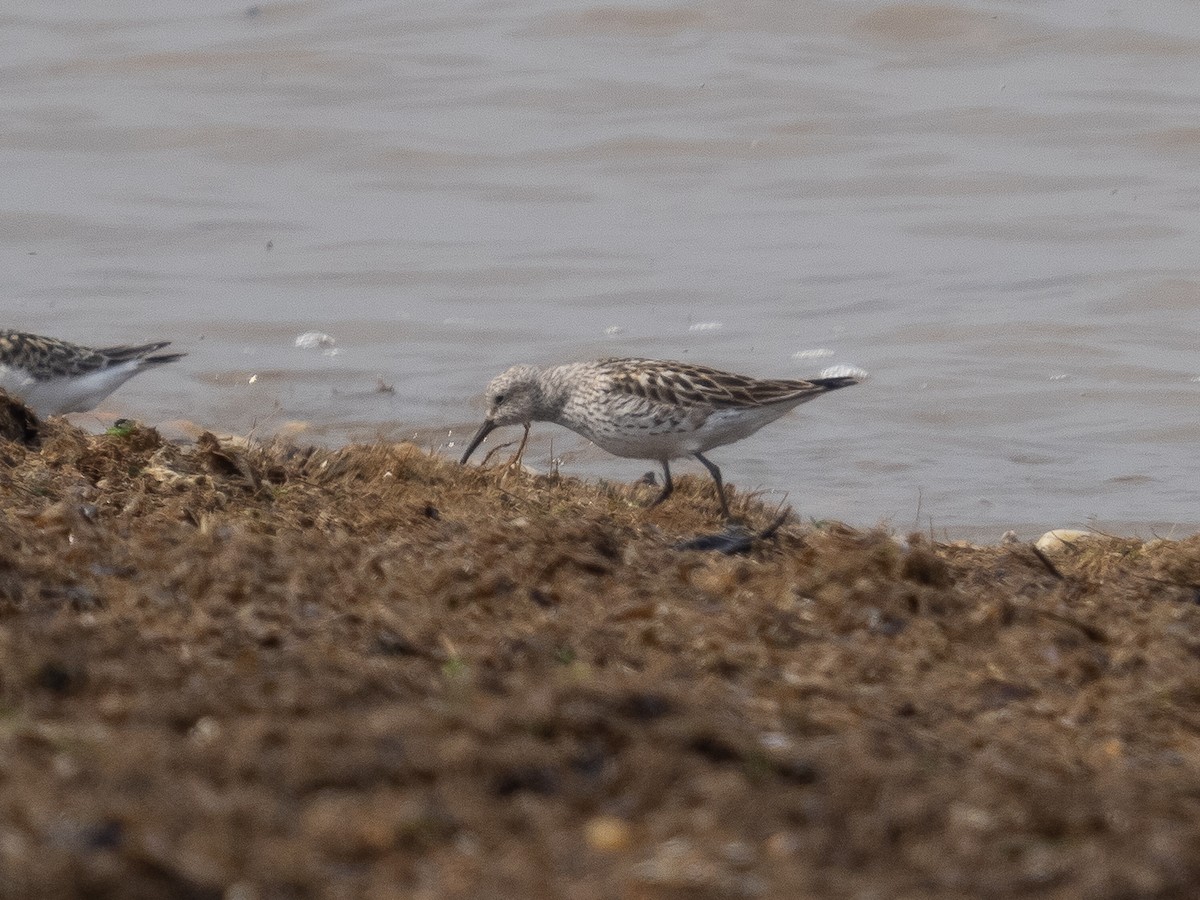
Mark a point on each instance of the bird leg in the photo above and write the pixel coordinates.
(515, 462)
(668, 486)
(716, 474)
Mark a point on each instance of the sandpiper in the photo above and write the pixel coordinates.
(53, 377)
(650, 409)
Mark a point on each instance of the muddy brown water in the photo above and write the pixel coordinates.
(992, 207)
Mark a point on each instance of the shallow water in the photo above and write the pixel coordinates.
(993, 207)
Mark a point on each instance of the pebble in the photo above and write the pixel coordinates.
(782, 845)
(607, 834)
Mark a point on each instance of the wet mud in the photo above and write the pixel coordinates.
(237, 671)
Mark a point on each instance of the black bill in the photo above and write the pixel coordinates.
(484, 430)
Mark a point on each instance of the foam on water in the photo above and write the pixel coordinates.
(845, 371)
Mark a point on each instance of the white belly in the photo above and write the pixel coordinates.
(56, 396)
(644, 437)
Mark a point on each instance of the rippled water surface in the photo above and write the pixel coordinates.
(993, 207)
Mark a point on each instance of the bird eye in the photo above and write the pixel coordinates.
(499, 399)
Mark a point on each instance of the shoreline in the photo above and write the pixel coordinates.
(261, 671)
(434, 441)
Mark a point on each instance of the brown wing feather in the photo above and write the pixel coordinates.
(691, 385)
(54, 358)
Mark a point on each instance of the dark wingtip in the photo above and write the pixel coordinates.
(840, 376)
(832, 384)
(162, 358)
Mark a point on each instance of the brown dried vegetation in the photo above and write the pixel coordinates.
(273, 673)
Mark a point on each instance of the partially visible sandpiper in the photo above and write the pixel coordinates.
(650, 409)
(53, 377)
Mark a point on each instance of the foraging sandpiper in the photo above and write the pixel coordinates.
(650, 409)
(53, 377)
